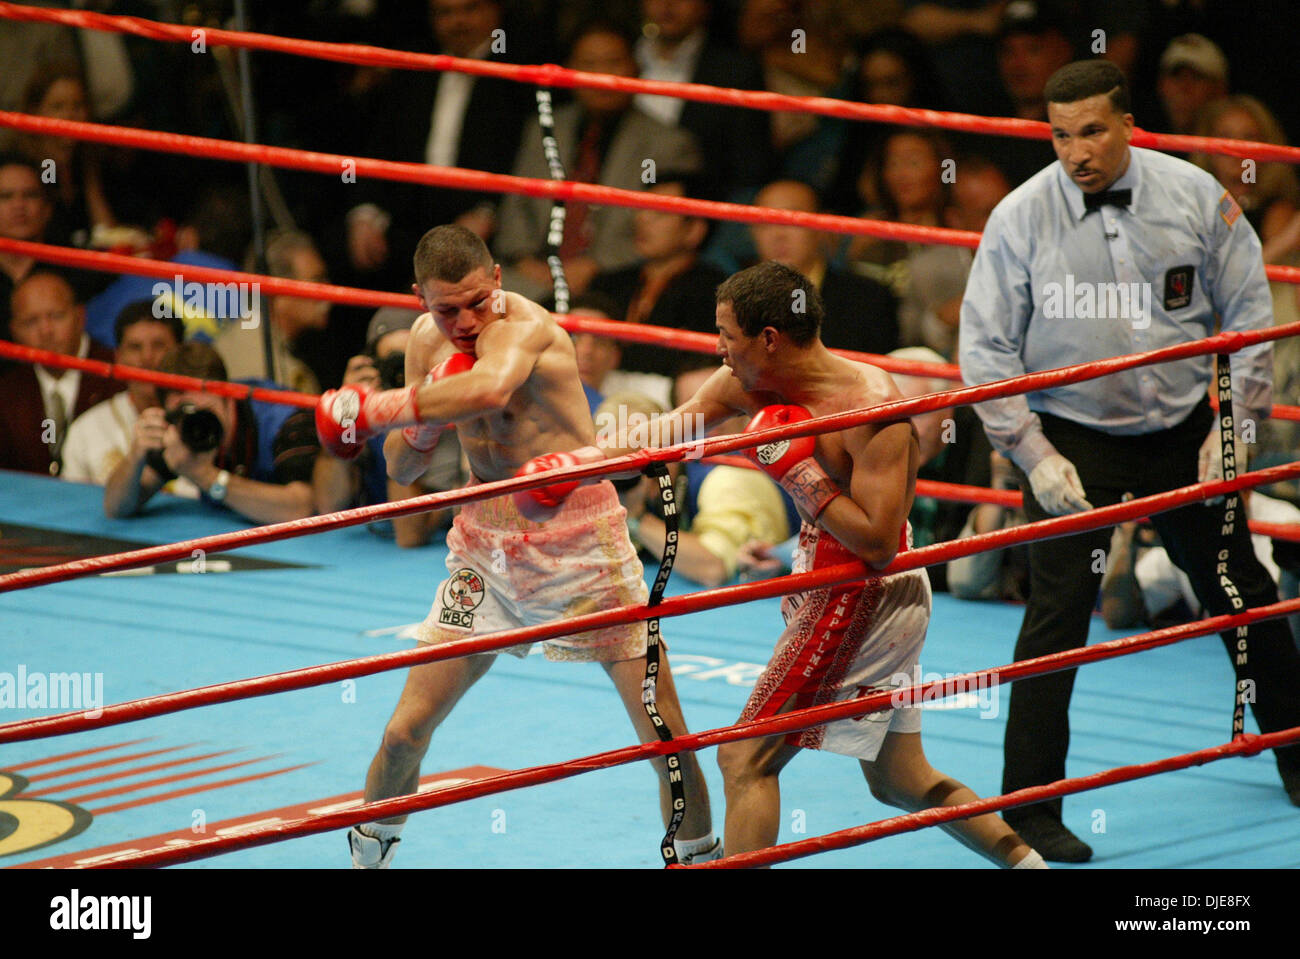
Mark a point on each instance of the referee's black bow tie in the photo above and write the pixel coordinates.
(1095, 201)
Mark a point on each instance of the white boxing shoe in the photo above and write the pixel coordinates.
(705, 855)
(369, 852)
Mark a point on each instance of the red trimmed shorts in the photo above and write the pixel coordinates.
(844, 642)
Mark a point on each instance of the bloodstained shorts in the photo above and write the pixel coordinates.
(843, 642)
(507, 571)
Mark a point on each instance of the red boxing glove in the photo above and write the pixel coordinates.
(347, 417)
(541, 503)
(791, 462)
(424, 437)
(456, 363)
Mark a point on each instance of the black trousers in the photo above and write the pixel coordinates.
(1064, 586)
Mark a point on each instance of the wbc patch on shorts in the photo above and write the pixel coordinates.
(1178, 287)
(461, 595)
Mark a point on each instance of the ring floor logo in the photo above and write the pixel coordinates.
(52, 799)
(27, 824)
(31, 819)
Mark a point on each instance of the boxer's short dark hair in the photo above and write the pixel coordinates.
(448, 253)
(772, 294)
(1089, 78)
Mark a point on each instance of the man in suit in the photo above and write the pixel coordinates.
(445, 119)
(861, 314)
(41, 402)
(679, 49)
(670, 287)
(602, 139)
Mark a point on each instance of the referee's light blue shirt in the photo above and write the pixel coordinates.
(1051, 286)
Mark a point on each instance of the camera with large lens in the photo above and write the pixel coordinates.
(392, 371)
(200, 429)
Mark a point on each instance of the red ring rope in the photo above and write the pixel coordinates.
(459, 179)
(167, 270)
(961, 493)
(167, 381)
(1247, 744)
(792, 721)
(675, 606)
(634, 332)
(455, 178)
(898, 409)
(550, 75)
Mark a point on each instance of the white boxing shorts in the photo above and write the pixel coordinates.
(844, 642)
(507, 571)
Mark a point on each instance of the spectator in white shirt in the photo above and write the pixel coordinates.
(102, 437)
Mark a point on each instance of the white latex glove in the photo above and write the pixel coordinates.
(1057, 487)
(1209, 463)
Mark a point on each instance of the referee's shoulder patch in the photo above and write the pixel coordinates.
(1228, 208)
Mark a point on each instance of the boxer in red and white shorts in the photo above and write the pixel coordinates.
(854, 488)
(844, 642)
(499, 368)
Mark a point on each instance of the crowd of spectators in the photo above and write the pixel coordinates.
(1202, 66)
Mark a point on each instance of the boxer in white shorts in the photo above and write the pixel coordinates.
(854, 488)
(499, 367)
(508, 571)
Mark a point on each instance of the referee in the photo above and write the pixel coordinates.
(1114, 250)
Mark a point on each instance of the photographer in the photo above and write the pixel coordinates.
(100, 438)
(342, 484)
(254, 458)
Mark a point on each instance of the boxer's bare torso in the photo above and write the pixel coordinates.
(522, 399)
(838, 386)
